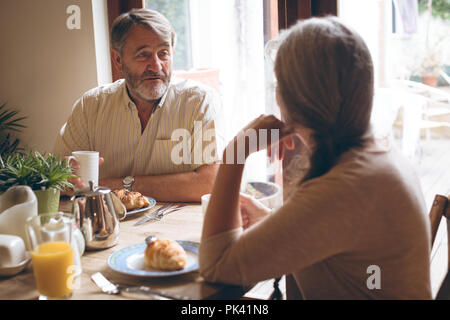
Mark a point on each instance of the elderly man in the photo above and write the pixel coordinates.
(134, 122)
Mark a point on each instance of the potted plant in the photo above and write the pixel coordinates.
(9, 122)
(431, 65)
(433, 59)
(46, 175)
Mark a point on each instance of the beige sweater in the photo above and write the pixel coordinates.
(368, 210)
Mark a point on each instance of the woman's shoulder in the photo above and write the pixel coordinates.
(369, 175)
(373, 162)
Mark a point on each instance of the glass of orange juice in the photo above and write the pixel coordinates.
(52, 254)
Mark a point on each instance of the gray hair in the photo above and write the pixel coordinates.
(149, 19)
(325, 82)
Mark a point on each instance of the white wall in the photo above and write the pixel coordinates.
(44, 66)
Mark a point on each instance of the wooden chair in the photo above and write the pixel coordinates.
(440, 209)
(437, 211)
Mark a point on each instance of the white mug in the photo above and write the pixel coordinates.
(205, 201)
(88, 161)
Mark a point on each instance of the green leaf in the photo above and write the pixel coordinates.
(9, 121)
(35, 170)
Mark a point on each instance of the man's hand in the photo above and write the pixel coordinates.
(76, 182)
(252, 210)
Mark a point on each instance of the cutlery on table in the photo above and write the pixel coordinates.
(159, 214)
(110, 288)
(149, 215)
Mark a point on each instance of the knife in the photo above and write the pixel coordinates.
(108, 287)
(152, 215)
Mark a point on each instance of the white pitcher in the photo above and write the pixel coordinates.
(17, 204)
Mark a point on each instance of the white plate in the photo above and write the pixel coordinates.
(11, 271)
(152, 204)
(130, 261)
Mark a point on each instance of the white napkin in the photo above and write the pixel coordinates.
(17, 204)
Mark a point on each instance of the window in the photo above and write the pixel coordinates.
(221, 43)
(178, 13)
(410, 46)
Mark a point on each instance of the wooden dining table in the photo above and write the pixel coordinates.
(184, 224)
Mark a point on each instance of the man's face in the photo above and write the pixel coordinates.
(146, 64)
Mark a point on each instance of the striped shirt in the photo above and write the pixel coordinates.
(180, 136)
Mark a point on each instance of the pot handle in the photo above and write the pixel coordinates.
(121, 210)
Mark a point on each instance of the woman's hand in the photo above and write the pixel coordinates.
(222, 213)
(252, 210)
(264, 132)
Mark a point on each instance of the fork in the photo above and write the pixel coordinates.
(152, 214)
(173, 208)
(159, 214)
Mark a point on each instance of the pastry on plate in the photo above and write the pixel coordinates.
(131, 199)
(164, 254)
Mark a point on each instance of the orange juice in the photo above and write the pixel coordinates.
(51, 264)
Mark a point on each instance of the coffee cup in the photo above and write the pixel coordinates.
(89, 163)
(205, 201)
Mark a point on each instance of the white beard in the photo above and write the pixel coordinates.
(152, 93)
(145, 91)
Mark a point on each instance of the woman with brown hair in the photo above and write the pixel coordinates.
(354, 227)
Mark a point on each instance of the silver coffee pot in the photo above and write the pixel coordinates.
(96, 213)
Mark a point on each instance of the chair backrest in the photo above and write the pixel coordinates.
(437, 211)
(440, 209)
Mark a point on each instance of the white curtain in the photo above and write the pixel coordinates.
(407, 15)
(229, 35)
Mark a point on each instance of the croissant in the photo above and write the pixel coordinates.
(163, 254)
(131, 199)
